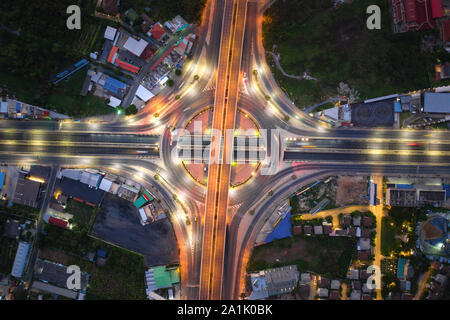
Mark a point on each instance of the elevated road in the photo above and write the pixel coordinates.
(224, 117)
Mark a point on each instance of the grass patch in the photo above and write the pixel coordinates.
(66, 98)
(388, 242)
(8, 248)
(83, 214)
(334, 45)
(325, 255)
(121, 278)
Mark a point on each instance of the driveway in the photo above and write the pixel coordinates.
(118, 222)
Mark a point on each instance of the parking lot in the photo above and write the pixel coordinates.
(118, 222)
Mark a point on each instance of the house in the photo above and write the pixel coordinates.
(281, 280)
(363, 255)
(27, 191)
(356, 285)
(307, 229)
(335, 284)
(318, 230)
(147, 22)
(157, 31)
(297, 230)
(346, 221)
(259, 287)
(12, 229)
(56, 274)
(134, 46)
(363, 244)
(327, 229)
(368, 222)
(353, 274)
(352, 231)
(110, 33)
(111, 6)
(324, 282)
(161, 277)
(436, 102)
(366, 233)
(355, 295)
(322, 292)
(305, 278)
(20, 261)
(334, 295)
(413, 15)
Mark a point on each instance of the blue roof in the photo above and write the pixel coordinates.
(114, 85)
(437, 102)
(2, 180)
(446, 187)
(401, 268)
(405, 186)
(397, 107)
(282, 229)
(101, 253)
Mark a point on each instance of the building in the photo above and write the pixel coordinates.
(115, 86)
(147, 22)
(414, 15)
(161, 277)
(412, 197)
(176, 24)
(110, 33)
(111, 6)
(281, 280)
(259, 286)
(157, 31)
(436, 102)
(433, 235)
(27, 191)
(144, 94)
(134, 46)
(20, 261)
(79, 191)
(56, 274)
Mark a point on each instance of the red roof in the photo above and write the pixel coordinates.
(436, 8)
(446, 31)
(57, 222)
(112, 53)
(157, 31)
(127, 66)
(410, 8)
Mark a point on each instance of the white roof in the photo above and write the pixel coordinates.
(114, 102)
(134, 46)
(143, 215)
(105, 185)
(20, 259)
(71, 174)
(332, 113)
(4, 107)
(110, 33)
(144, 94)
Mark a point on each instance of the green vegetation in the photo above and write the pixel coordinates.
(178, 72)
(132, 109)
(18, 211)
(66, 98)
(388, 241)
(163, 10)
(170, 83)
(121, 278)
(329, 256)
(8, 248)
(335, 45)
(83, 214)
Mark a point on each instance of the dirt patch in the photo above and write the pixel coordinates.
(54, 255)
(351, 191)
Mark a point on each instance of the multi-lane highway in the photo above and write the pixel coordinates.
(215, 244)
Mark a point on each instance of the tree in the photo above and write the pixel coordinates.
(178, 72)
(132, 109)
(196, 77)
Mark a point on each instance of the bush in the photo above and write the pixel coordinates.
(132, 109)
